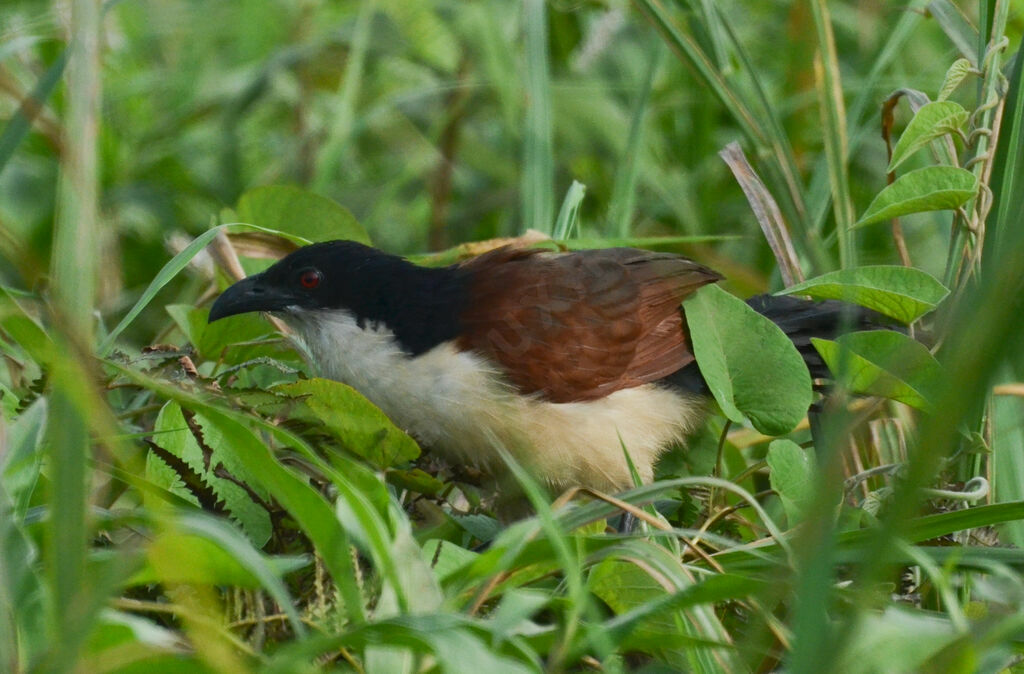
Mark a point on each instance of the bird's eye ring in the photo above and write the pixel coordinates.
(310, 279)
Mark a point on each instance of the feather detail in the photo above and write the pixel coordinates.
(579, 326)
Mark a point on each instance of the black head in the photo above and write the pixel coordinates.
(320, 276)
(420, 305)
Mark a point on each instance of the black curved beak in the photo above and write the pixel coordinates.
(252, 293)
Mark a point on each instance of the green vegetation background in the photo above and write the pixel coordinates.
(442, 122)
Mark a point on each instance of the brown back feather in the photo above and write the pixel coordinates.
(579, 326)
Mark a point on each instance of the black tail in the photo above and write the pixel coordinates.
(801, 320)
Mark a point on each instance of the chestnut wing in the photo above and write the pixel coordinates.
(579, 326)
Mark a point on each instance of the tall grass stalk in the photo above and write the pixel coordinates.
(74, 268)
(538, 198)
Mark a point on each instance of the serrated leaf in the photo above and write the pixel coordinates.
(960, 69)
(934, 188)
(903, 293)
(792, 477)
(171, 432)
(933, 120)
(300, 213)
(750, 365)
(354, 420)
(883, 363)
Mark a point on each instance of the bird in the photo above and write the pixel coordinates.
(567, 361)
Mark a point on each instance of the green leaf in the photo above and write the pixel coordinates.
(446, 558)
(792, 477)
(934, 188)
(903, 293)
(750, 365)
(932, 121)
(301, 213)
(899, 640)
(354, 421)
(960, 69)
(171, 432)
(883, 363)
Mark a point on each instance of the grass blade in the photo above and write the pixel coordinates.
(568, 222)
(623, 201)
(328, 164)
(833, 113)
(766, 210)
(18, 126)
(538, 197)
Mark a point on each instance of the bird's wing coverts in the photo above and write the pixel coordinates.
(579, 326)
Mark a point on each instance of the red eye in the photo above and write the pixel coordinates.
(310, 279)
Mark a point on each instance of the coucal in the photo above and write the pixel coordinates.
(564, 359)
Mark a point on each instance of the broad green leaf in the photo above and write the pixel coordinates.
(353, 420)
(300, 213)
(898, 640)
(932, 121)
(446, 558)
(960, 69)
(513, 613)
(416, 480)
(750, 365)
(934, 188)
(792, 477)
(883, 363)
(903, 293)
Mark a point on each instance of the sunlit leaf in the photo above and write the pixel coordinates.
(750, 365)
(300, 213)
(932, 121)
(903, 293)
(792, 477)
(934, 188)
(354, 420)
(884, 363)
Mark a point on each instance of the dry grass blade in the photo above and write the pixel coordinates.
(767, 213)
(226, 257)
